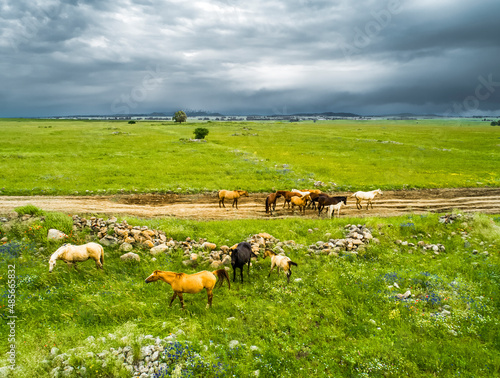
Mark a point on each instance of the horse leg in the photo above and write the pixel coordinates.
(181, 299)
(235, 202)
(221, 201)
(210, 296)
(234, 274)
(172, 299)
(98, 264)
(241, 273)
(288, 274)
(272, 267)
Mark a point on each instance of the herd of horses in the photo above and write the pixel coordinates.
(180, 283)
(241, 254)
(302, 199)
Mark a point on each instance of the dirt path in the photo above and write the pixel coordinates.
(205, 206)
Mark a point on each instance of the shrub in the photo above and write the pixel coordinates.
(29, 209)
(200, 133)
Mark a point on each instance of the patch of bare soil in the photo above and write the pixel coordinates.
(205, 206)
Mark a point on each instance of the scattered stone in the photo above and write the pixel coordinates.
(130, 256)
(54, 234)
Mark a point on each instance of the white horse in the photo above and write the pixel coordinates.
(332, 208)
(71, 254)
(368, 196)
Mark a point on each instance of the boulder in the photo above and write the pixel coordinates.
(130, 256)
(158, 249)
(54, 234)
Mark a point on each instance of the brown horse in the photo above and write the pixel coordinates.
(288, 196)
(327, 201)
(301, 202)
(271, 201)
(231, 195)
(191, 283)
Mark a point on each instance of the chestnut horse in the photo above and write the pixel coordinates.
(271, 201)
(231, 195)
(288, 196)
(191, 283)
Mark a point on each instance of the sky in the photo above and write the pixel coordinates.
(369, 57)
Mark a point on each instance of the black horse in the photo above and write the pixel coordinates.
(240, 256)
(326, 201)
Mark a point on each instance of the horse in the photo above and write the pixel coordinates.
(191, 283)
(315, 198)
(231, 195)
(71, 254)
(271, 201)
(240, 256)
(332, 208)
(368, 196)
(287, 195)
(327, 200)
(301, 202)
(279, 261)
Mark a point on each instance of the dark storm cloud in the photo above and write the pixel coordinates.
(132, 56)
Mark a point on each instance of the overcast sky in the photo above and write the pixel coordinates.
(249, 57)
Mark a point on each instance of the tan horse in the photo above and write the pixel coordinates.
(71, 254)
(279, 261)
(191, 283)
(231, 195)
(301, 202)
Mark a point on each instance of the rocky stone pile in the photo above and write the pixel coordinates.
(425, 247)
(357, 237)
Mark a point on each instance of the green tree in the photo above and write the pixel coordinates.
(494, 123)
(200, 133)
(180, 116)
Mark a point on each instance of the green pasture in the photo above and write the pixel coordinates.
(96, 157)
(338, 317)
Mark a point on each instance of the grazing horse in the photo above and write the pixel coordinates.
(288, 196)
(191, 283)
(301, 202)
(71, 254)
(332, 208)
(279, 261)
(231, 195)
(368, 196)
(327, 201)
(271, 201)
(240, 256)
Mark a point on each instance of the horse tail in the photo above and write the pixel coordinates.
(221, 276)
(290, 263)
(267, 204)
(102, 256)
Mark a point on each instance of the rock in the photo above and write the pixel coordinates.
(216, 264)
(226, 260)
(233, 344)
(54, 351)
(126, 247)
(54, 234)
(130, 256)
(209, 246)
(158, 249)
(109, 241)
(193, 256)
(187, 262)
(405, 295)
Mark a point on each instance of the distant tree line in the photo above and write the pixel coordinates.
(497, 123)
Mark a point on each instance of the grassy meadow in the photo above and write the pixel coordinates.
(96, 157)
(338, 317)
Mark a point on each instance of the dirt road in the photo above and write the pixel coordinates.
(205, 206)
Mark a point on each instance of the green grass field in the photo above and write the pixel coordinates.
(340, 318)
(82, 157)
